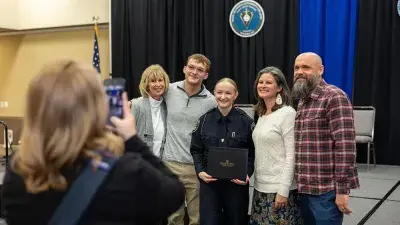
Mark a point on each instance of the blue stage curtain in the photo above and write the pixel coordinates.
(328, 28)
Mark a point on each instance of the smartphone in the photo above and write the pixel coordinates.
(114, 87)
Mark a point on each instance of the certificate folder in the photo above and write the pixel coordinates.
(227, 163)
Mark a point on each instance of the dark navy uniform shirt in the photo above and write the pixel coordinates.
(213, 129)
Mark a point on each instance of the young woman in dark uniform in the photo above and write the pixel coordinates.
(223, 126)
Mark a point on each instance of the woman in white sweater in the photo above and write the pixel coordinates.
(275, 199)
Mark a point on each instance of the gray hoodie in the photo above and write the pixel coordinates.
(183, 113)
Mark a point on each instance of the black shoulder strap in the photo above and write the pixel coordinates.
(81, 193)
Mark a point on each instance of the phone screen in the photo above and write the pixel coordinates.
(114, 88)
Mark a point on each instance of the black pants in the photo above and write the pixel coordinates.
(223, 202)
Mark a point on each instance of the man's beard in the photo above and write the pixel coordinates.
(302, 88)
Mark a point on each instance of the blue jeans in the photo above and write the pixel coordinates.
(320, 209)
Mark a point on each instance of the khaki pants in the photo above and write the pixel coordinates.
(187, 175)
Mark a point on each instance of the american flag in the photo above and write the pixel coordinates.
(96, 52)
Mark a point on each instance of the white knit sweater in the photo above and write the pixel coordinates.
(273, 138)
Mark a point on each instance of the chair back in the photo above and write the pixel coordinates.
(364, 120)
(248, 108)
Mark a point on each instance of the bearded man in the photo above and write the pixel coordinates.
(325, 147)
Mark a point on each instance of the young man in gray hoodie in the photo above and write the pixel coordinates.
(186, 101)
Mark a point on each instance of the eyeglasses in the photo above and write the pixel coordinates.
(193, 68)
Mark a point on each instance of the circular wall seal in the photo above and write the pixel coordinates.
(246, 18)
(398, 7)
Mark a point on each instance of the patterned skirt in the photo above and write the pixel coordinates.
(262, 212)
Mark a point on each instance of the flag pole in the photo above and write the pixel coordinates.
(95, 19)
(96, 52)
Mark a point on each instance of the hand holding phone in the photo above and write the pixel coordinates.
(119, 120)
(114, 88)
(124, 127)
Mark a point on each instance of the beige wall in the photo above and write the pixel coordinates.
(35, 14)
(9, 16)
(21, 57)
(56, 13)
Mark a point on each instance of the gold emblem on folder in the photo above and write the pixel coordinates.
(227, 164)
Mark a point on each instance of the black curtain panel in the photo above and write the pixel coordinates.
(377, 75)
(166, 32)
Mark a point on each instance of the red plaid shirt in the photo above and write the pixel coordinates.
(325, 143)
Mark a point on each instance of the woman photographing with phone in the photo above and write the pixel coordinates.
(231, 128)
(64, 125)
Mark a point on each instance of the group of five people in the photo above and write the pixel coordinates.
(303, 162)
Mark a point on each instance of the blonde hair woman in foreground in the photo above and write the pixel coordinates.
(65, 118)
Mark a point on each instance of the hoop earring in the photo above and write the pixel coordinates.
(278, 99)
